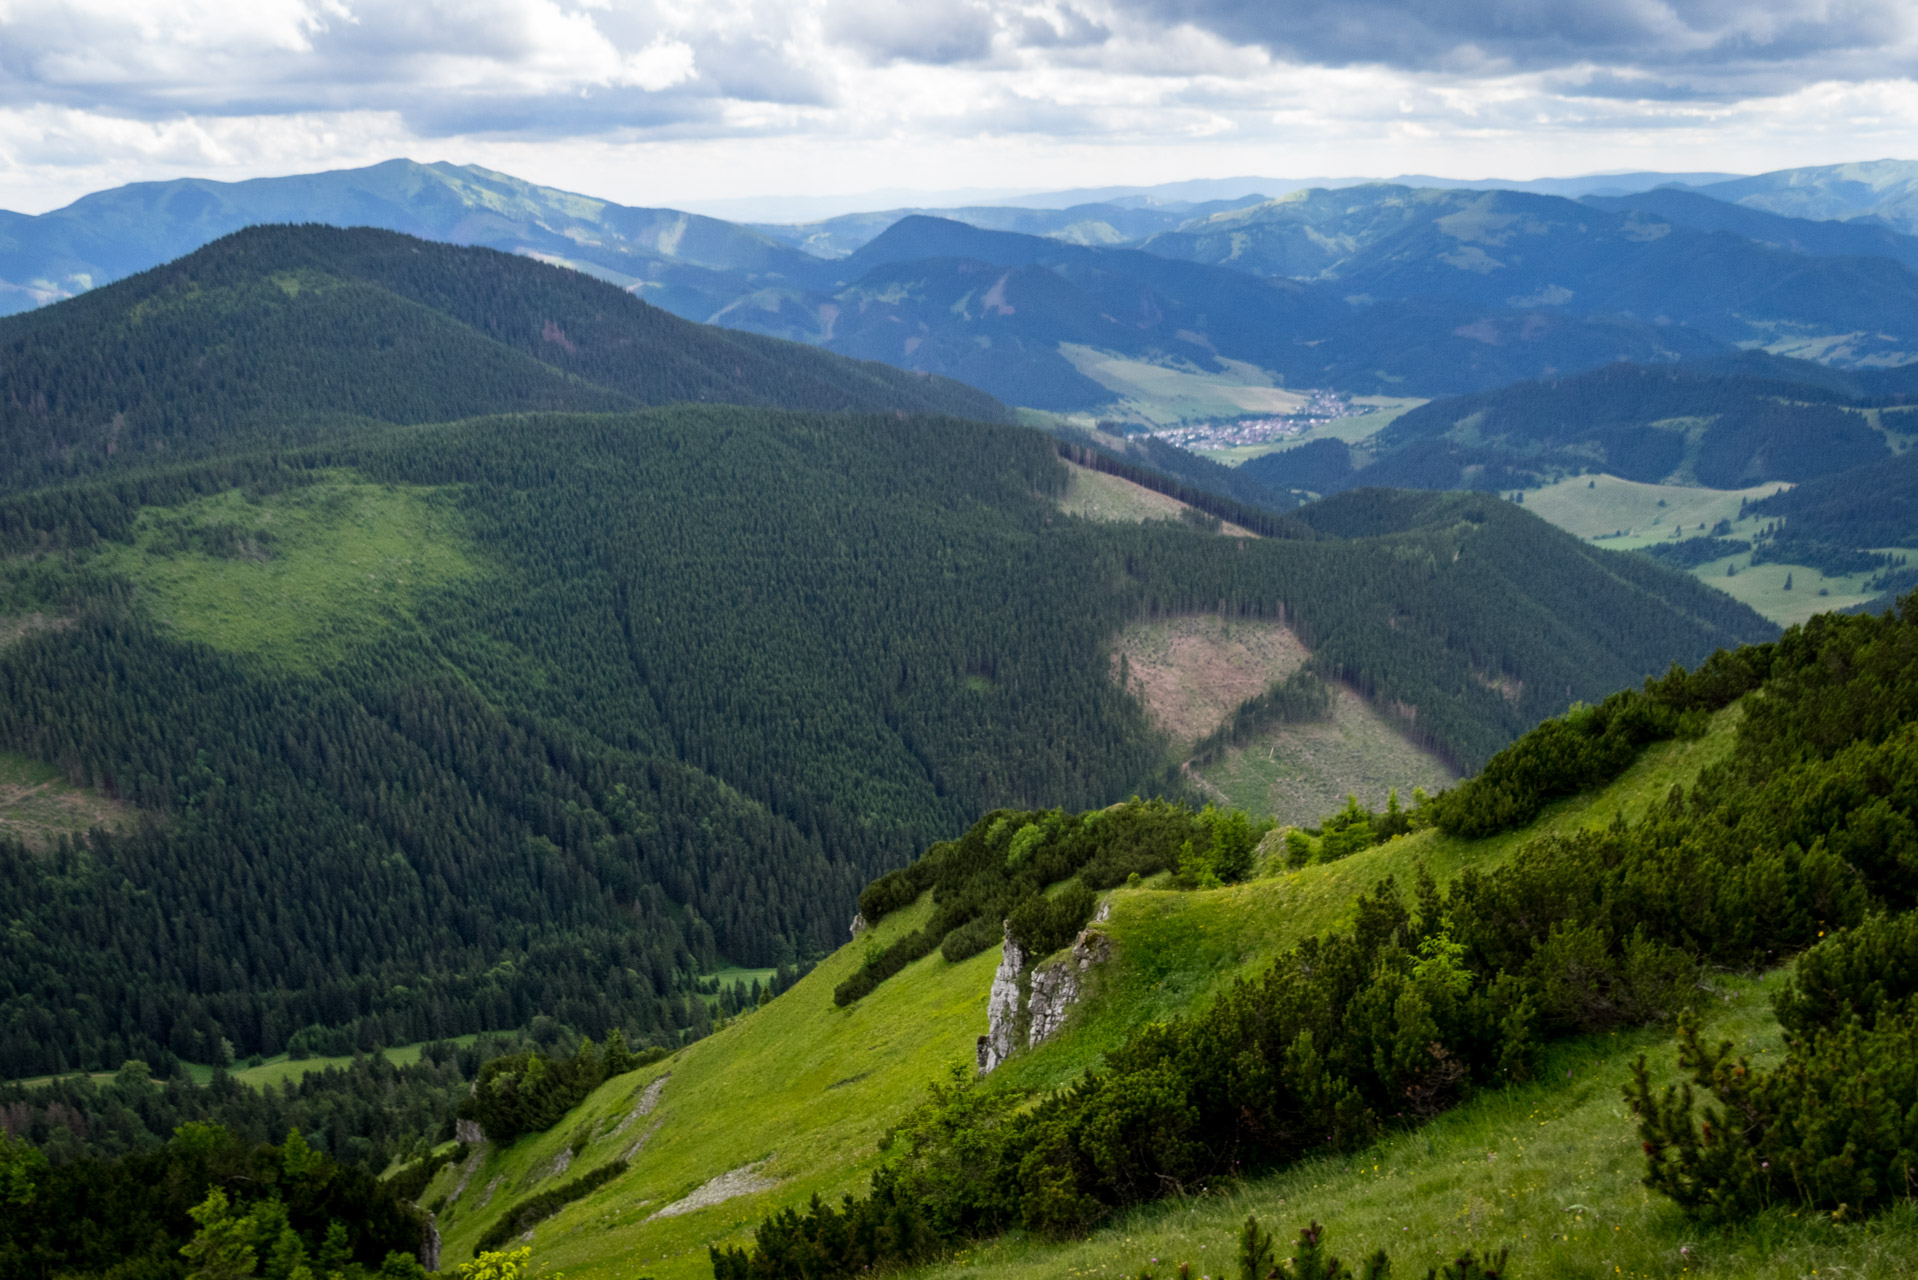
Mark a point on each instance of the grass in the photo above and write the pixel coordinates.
(279, 1069)
(1173, 949)
(804, 1089)
(800, 1084)
(1549, 1169)
(301, 577)
(1298, 773)
(38, 806)
(275, 1070)
(1164, 394)
(1110, 499)
(1762, 587)
(1626, 515)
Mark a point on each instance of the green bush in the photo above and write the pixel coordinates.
(535, 1209)
(969, 939)
(1003, 866)
(1043, 925)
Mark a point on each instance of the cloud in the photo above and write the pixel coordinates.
(920, 31)
(1521, 35)
(732, 96)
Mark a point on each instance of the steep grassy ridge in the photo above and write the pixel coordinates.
(802, 1089)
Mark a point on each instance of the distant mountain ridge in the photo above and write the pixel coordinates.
(994, 308)
(1431, 290)
(1512, 249)
(1886, 190)
(664, 254)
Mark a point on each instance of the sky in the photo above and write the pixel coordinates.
(661, 102)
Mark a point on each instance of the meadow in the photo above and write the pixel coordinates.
(792, 1099)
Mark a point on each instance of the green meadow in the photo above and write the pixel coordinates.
(792, 1099)
(299, 577)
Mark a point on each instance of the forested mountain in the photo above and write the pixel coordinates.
(1434, 290)
(1096, 223)
(992, 308)
(1818, 238)
(433, 728)
(1881, 190)
(285, 334)
(1513, 249)
(1723, 424)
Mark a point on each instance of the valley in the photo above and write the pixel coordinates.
(692, 749)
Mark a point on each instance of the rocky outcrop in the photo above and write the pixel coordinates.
(743, 1181)
(1003, 1007)
(858, 923)
(430, 1244)
(466, 1172)
(1024, 1008)
(468, 1131)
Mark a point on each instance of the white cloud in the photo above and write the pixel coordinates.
(655, 100)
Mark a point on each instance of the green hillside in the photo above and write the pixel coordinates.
(284, 335)
(791, 1100)
(536, 632)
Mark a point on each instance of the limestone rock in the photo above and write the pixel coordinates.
(1023, 1010)
(1002, 1007)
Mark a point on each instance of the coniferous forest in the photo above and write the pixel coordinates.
(422, 725)
(696, 677)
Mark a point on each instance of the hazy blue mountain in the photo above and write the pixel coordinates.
(1883, 189)
(1519, 250)
(992, 307)
(1173, 195)
(689, 264)
(1089, 224)
(1864, 238)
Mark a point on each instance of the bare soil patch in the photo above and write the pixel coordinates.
(1193, 672)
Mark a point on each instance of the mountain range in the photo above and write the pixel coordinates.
(349, 570)
(1366, 288)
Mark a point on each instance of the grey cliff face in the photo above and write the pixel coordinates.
(1028, 1009)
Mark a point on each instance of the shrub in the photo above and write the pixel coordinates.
(970, 939)
(536, 1209)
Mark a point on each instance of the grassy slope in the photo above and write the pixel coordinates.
(338, 560)
(1298, 773)
(1160, 394)
(1110, 499)
(1550, 1169)
(808, 1088)
(800, 1084)
(1627, 515)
